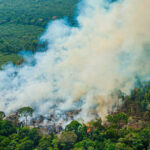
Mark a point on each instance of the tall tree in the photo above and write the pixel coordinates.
(25, 112)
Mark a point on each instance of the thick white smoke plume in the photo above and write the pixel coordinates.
(84, 65)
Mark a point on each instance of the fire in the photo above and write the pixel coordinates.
(89, 128)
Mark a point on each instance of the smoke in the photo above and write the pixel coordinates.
(83, 65)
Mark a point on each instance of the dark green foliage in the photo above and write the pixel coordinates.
(85, 144)
(76, 127)
(6, 128)
(34, 12)
(118, 119)
(67, 139)
(106, 138)
(45, 142)
(25, 144)
(2, 114)
(119, 132)
(6, 58)
(73, 126)
(34, 136)
(23, 21)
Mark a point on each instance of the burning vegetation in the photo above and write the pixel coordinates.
(92, 71)
(125, 129)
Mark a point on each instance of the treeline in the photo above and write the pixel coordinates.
(35, 12)
(137, 104)
(23, 21)
(116, 134)
(126, 129)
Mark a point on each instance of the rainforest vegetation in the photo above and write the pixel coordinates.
(21, 24)
(23, 21)
(126, 129)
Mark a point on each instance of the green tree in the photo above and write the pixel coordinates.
(25, 112)
(122, 146)
(24, 132)
(75, 126)
(6, 128)
(45, 143)
(5, 142)
(34, 136)
(12, 145)
(118, 120)
(109, 145)
(55, 143)
(25, 144)
(68, 139)
(2, 114)
(85, 144)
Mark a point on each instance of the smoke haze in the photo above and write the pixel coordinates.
(83, 65)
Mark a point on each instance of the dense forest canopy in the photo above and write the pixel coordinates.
(126, 129)
(23, 21)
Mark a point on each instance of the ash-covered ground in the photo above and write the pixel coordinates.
(52, 122)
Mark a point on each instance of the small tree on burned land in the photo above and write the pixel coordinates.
(2, 114)
(25, 112)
